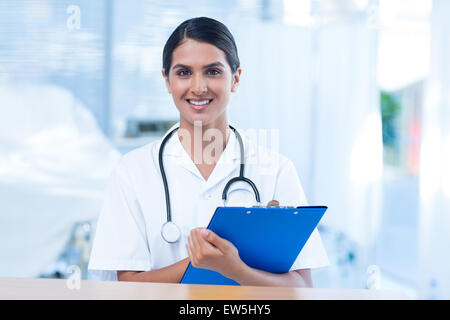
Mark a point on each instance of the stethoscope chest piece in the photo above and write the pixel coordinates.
(170, 232)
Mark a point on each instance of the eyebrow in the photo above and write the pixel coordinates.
(214, 64)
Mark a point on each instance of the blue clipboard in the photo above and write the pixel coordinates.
(267, 238)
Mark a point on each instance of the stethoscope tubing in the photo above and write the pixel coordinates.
(241, 176)
(163, 174)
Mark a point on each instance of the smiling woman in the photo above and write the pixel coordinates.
(200, 82)
(201, 69)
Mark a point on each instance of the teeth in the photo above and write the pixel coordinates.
(199, 103)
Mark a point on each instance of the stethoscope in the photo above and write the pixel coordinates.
(170, 232)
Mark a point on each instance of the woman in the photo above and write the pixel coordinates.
(200, 68)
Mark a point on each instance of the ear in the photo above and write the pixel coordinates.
(236, 78)
(166, 79)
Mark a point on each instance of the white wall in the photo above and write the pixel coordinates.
(434, 236)
(317, 86)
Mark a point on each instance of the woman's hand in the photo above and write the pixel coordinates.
(209, 251)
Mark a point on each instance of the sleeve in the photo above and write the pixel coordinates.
(120, 241)
(289, 191)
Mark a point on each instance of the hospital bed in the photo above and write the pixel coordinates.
(54, 167)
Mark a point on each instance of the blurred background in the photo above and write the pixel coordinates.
(358, 89)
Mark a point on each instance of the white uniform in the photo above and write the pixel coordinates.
(128, 233)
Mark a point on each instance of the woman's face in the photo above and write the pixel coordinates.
(200, 81)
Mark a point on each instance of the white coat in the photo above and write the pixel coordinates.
(128, 233)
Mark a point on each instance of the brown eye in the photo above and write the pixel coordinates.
(183, 73)
(213, 72)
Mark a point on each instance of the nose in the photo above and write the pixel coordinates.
(199, 85)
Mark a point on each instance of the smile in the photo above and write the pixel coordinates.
(199, 104)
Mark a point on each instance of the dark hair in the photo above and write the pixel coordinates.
(202, 29)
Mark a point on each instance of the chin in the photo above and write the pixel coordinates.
(193, 116)
(206, 117)
(205, 120)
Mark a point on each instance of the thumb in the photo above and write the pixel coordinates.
(215, 240)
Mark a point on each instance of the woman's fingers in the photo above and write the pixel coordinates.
(216, 241)
(201, 251)
(195, 248)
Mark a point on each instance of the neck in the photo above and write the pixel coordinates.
(204, 142)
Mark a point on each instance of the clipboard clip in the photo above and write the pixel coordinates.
(258, 204)
(272, 204)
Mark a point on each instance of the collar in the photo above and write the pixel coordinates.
(229, 160)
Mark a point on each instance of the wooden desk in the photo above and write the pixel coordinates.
(27, 288)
